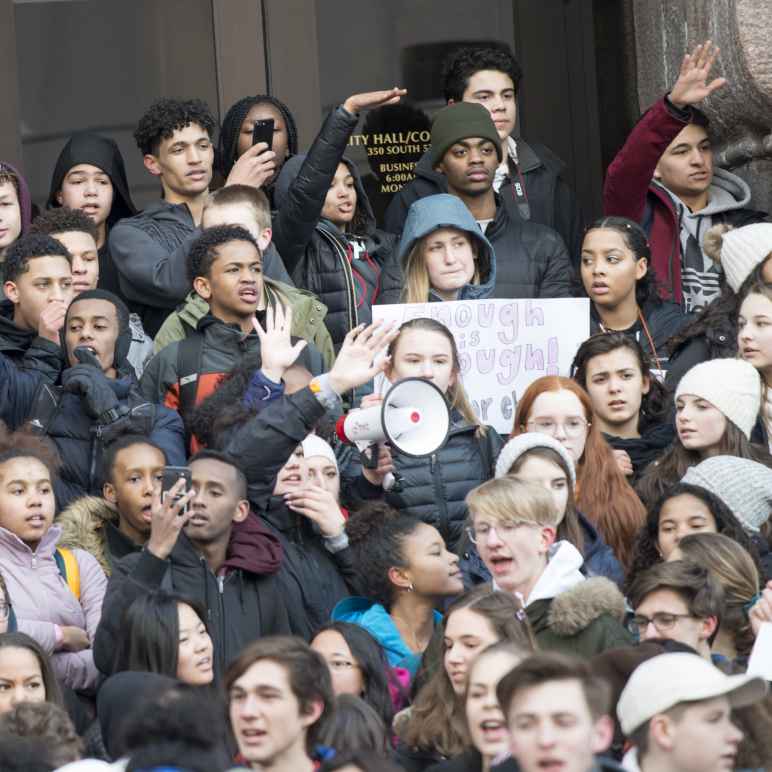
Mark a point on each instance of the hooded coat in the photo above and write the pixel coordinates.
(26, 348)
(102, 152)
(243, 602)
(630, 191)
(347, 272)
(25, 199)
(41, 599)
(429, 214)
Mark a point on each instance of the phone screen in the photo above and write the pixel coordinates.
(263, 132)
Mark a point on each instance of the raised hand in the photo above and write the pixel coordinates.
(624, 462)
(51, 320)
(358, 361)
(319, 505)
(692, 85)
(168, 518)
(277, 351)
(358, 102)
(255, 167)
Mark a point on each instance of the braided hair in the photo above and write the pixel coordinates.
(231, 128)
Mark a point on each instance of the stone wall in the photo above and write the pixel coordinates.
(741, 112)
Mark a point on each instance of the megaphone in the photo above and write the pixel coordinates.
(413, 418)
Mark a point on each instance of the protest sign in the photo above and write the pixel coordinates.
(504, 345)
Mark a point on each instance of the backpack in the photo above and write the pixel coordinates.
(69, 569)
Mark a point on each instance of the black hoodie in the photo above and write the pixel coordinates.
(102, 152)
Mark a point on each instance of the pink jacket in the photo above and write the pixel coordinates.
(42, 599)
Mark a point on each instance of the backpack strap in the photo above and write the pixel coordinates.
(69, 569)
(189, 352)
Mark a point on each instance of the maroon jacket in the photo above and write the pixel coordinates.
(629, 191)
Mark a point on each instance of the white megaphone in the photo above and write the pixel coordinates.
(413, 418)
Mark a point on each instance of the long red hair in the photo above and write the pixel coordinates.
(602, 492)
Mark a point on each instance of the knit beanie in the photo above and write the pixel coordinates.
(743, 249)
(528, 441)
(460, 121)
(745, 486)
(731, 385)
(313, 445)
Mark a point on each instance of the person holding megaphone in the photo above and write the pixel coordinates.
(437, 449)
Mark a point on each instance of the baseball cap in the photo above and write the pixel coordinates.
(665, 681)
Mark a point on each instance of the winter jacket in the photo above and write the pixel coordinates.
(312, 579)
(307, 320)
(78, 438)
(531, 259)
(141, 347)
(574, 615)
(26, 348)
(630, 191)
(664, 320)
(242, 603)
(644, 449)
(434, 489)
(41, 599)
(445, 211)
(91, 524)
(550, 201)
(374, 618)
(346, 271)
(718, 341)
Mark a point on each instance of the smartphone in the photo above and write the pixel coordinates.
(170, 476)
(263, 132)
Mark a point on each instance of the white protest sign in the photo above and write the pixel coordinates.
(760, 661)
(504, 345)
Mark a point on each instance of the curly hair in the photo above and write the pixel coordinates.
(165, 116)
(465, 62)
(64, 220)
(27, 248)
(646, 550)
(203, 251)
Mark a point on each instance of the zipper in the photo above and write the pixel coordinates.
(439, 495)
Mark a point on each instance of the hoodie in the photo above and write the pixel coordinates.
(25, 199)
(429, 214)
(374, 618)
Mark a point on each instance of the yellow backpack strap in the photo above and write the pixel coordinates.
(71, 570)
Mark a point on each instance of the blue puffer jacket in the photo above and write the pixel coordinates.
(445, 211)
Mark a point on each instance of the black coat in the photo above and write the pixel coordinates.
(644, 449)
(317, 254)
(551, 201)
(718, 341)
(241, 606)
(26, 348)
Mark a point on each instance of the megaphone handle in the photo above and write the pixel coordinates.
(370, 459)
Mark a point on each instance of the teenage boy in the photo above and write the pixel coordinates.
(37, 282)
(79, 233)
(557, 711)
(117, 523)
(531, 259)
(190, 551)
(248, 207)
(225, 268)
(678, 600)
(175, 138)
(98, 400)
(664, 179)
(676, 709)
(529, 177)
(279, 697)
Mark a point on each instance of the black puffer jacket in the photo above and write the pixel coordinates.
(550, 201)
(718, 341)
(318, 255)
(531, 259)
(26, 348)
(434, 489)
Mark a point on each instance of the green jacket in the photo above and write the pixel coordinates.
(308, 314)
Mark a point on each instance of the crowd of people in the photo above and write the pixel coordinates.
(199, 573)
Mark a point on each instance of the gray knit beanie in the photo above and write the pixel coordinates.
(528, 441)
(745, 486)
(458, 121)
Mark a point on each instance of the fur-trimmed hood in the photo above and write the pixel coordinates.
(83, 527)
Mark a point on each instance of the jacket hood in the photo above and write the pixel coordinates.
(727, 192)
(83, 527)
(431, 213)
(13, 339)
(87, 148)
(562, 573)
(25, 199)
(289, 173)
(577, 608)
(253, 548)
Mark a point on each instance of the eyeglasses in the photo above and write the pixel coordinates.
(503, 529)
(661, 620)
(341, 665)
(573, 427)
(5, 610)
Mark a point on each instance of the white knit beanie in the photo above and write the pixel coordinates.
(528, 441)
(745, 486)
(313, 445)
(731, 385)
(742, 249)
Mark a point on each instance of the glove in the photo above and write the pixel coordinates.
(94, 389)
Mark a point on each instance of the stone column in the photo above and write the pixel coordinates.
(741, 112)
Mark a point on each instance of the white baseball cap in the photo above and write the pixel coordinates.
(665, 681)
